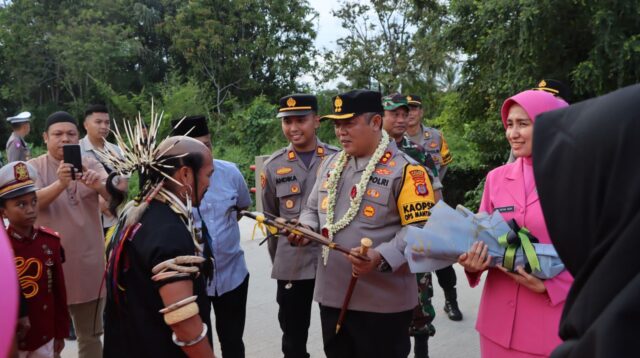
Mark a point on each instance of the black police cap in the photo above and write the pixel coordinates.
(554, 87)
(196, 124)
(297, 104)
(414, 100)
(356, 102)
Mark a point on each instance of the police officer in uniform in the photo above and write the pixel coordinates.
(17, 148)
(396, 110)
(433, 141)
(372, 190)
(287, 179)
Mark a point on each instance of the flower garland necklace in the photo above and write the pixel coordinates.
(332, 183)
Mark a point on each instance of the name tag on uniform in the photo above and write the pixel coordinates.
(506, 209)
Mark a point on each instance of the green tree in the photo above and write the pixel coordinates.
(593, 46)
(244, 48)
(389, 45)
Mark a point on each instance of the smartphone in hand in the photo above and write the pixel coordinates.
(71, 153)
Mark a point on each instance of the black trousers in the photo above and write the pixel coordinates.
(366, 334)
(230, 311)
(294, 316)
(447, 280)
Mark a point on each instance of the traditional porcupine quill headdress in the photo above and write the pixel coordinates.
(141, 153)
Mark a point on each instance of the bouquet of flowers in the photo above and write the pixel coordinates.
(450, 233)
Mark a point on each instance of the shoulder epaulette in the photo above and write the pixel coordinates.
(275, 154)
(49, 232)
(332, 147)
(407, 157)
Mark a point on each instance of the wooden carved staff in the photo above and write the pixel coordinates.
(365, 244)
(297, 229)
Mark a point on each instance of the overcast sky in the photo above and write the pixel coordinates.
(327, 26)
(328, 31)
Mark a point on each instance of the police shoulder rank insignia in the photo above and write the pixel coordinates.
(338, 104)
(284, 170)
(21, 172)
(385, 158)
(416, 196)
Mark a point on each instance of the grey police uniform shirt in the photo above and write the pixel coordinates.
(378, 218)
(286, 184)
(17, 149)
(432, 140)
(87, 149)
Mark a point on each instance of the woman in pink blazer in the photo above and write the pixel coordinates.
(519, 314)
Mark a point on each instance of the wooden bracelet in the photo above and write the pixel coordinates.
(181, 314)
(177, 262)
(176, 305)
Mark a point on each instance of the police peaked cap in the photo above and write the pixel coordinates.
(350, 104)
(298, 104)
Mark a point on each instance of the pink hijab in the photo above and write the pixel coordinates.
(534, 102)
(8, 293)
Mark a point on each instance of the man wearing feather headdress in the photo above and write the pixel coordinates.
(157, 302)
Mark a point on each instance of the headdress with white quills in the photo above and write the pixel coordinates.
(141, 153)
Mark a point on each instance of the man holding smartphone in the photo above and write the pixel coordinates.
(71, 207)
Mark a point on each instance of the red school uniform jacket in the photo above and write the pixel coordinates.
(39, 263)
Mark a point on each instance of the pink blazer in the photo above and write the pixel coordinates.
(511, 315)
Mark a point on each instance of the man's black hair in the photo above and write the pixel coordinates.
(95, 108)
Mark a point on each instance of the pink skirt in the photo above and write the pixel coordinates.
(490, 349)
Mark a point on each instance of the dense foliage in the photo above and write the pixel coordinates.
(233, 59)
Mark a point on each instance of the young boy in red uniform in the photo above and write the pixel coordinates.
(38, 261)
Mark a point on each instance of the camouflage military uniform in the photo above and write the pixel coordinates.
(434, 143)
(424, 313)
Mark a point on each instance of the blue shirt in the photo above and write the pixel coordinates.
(227, 188)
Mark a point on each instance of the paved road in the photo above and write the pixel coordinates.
(262, 333)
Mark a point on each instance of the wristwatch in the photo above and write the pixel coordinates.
(383, 266)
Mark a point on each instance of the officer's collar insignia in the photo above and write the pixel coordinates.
(338, 105)
(21, 172)
(291, 102)
(320, 151)
(542, 83)
(427, 135)
(385, 158)
(292, 155)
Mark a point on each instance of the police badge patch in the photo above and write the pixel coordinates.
(420, 182)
